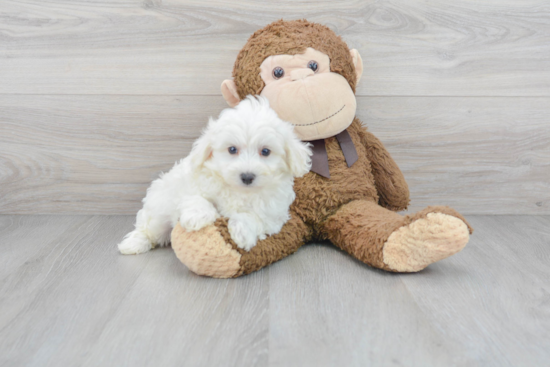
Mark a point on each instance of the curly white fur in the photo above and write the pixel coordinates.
(209, 182)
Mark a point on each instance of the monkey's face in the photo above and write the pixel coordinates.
(302, 90)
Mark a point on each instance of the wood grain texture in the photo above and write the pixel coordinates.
(409, 47)
(92, 154)
(68, 298)
(486, 306)
(478, 155)
(98, 97)
(507, 270)
(71, 299)
(98, 154)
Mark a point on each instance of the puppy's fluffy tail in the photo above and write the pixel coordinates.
(151, 229)
(135, 242)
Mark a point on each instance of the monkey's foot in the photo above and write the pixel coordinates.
(205, 252)
(424, 241)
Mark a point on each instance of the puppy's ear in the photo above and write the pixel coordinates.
(298, 156)
(202, 149)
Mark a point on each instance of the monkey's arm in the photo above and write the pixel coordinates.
(390, 183)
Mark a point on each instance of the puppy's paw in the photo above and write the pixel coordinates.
(243, 231)
(194, 220)
(274, 227)
(197, 215)
(134, 243)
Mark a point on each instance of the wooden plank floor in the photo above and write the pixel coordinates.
(67, 298)
(97, 97)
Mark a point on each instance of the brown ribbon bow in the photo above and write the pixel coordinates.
(319, 160)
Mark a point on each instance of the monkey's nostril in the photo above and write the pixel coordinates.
(300, 74)
(247, 178)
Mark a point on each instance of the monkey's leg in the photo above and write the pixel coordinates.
(389, 241)
(211, 251)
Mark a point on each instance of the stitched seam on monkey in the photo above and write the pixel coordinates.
(326, 118)
(308, 102)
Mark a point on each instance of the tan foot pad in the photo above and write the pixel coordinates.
(205, 252)
(427, 240)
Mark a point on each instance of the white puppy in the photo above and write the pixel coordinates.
(242, 168)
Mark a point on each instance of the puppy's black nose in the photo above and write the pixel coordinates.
(247, 178)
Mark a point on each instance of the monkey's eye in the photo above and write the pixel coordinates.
(266, 152)
(313, 65)
(278, 72)
(232, 150)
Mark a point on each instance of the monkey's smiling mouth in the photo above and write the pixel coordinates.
(326, 118)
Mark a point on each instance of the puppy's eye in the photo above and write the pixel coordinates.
(313, 65)
(266, 152)
(232, 150)
(278, 72)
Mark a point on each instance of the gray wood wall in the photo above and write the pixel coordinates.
(98, 97)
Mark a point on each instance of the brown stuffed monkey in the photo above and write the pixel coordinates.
(350, 197)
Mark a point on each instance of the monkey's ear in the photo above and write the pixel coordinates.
(229, 91)
(357, 62)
